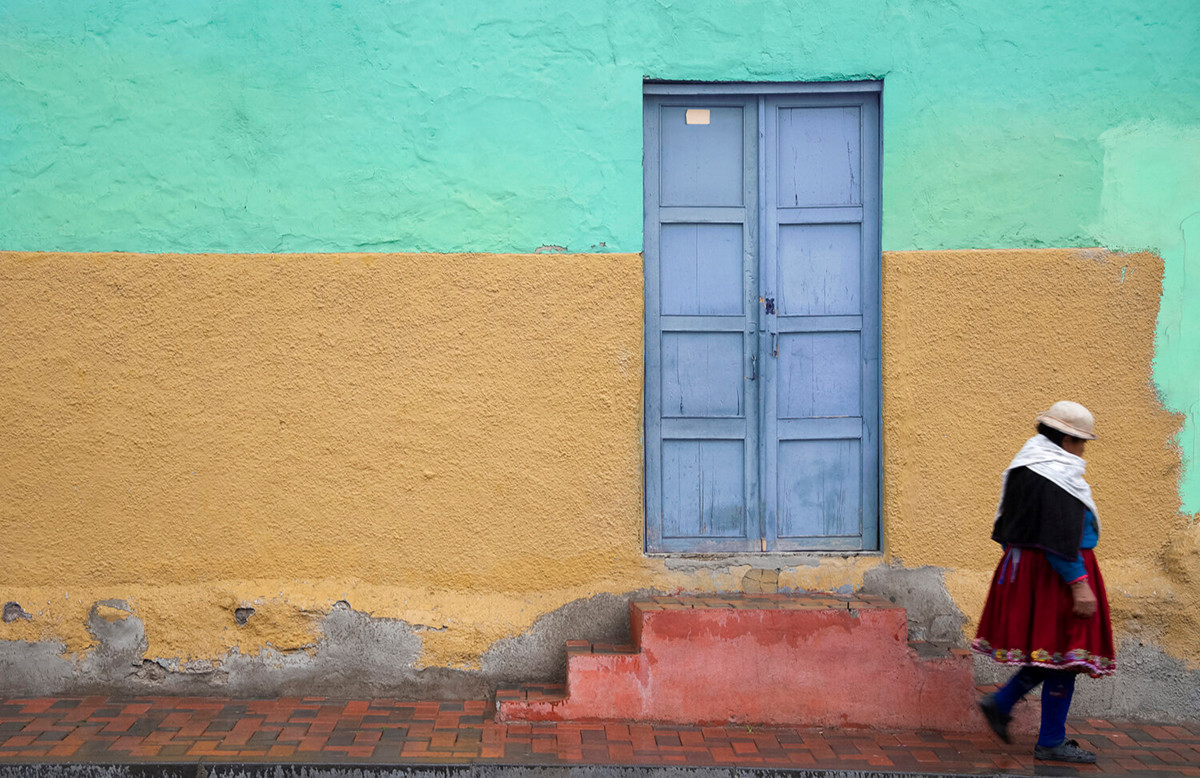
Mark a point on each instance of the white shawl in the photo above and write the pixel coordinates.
(1055, 464)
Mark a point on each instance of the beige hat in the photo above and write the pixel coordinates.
(1071, 418)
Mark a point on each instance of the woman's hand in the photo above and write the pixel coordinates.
(1085, 601)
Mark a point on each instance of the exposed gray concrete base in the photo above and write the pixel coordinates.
(1148, 686)
(540, 654)
(357, 656)
(921, 591)
(435, 771)
(361, 656)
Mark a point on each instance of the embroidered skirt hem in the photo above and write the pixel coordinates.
(1029, 619)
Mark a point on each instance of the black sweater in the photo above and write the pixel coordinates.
(1037, 513)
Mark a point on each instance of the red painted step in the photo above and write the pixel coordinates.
(808, 660)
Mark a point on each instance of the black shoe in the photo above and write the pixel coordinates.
(1066, 751)
(996, 718)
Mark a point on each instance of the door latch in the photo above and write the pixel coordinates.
(769, 302)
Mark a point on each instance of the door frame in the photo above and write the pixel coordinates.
(872, 536)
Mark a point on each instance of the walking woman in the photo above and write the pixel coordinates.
(1047, 610)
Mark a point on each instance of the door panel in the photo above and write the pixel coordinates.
(701, 407)
(702, 268)
(820, 269)
(704, 486)
(819, 453)
(702, 164)
(762, 322)
(821, 495)
(819, 374)
(820, 156)
(702, 374)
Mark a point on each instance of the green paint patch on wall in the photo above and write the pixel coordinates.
(1151, 198)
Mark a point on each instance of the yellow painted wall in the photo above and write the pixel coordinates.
(454, 440)
(975, 343)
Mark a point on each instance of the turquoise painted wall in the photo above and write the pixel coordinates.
(316, 125)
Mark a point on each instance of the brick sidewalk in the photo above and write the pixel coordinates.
(324, 731)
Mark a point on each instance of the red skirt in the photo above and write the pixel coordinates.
(1028, 618)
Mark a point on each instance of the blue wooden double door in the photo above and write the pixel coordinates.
(762, 321)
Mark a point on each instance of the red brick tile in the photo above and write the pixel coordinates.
(421, 729)
(40, 724)
(426, 709)
(127, 742)
(311, 743)
(40, 705)
(65, 749)
(723, 754)
(443, 739)
(802, 758)
(359, 752)
(203, 748)
(616, 731)
(193, 728)
(34, 753)
(621, 751)
(415, 749)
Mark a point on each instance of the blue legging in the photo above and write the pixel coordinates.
(1058, 686)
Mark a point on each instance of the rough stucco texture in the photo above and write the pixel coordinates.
(422, 421)
(201, 418)
(453, 441)
(1001, 335)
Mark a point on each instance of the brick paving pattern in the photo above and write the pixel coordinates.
(319, 730)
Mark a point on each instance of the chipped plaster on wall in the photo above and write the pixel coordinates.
(158, 335)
